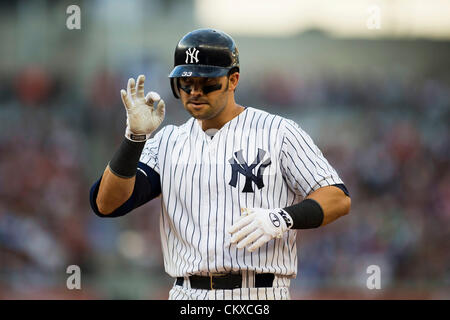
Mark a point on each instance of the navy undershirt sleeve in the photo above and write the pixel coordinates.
(343, 188)
(146, 188)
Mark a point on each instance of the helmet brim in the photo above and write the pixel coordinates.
(197, 70)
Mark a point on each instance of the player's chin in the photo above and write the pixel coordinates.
(199, 111)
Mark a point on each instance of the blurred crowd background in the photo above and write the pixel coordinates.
(378, 107)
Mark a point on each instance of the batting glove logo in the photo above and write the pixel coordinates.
(274, 219)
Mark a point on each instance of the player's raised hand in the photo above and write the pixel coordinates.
(142, 117)
(258, 226)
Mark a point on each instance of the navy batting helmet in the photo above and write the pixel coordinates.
(204, 53)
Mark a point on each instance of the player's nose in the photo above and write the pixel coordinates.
(196, 90)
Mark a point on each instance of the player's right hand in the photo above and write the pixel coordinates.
(142, 117)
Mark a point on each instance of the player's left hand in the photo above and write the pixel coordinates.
(257, 226)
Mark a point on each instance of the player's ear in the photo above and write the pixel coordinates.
(233, 81)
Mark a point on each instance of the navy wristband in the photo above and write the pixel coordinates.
(125, 161)
(307, 214)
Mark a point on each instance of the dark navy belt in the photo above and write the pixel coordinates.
(226, 281)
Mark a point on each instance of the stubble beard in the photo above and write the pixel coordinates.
(211, 111)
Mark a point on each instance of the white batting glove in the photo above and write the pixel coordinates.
(257, 226)
(142, 117)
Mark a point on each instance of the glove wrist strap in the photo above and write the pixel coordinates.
(287, 218)
(136, 137)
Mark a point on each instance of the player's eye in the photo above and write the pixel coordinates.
(185, 83)
(210, 81)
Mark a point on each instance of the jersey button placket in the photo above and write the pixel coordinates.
(211, 159)
(203, 187)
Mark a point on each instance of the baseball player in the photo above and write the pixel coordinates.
(235, 182)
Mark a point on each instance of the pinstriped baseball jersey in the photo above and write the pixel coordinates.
(257, 159)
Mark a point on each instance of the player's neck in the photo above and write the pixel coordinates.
(229, 113)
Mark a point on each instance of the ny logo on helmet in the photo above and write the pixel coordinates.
(193, 53)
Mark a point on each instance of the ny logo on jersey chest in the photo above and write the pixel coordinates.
(241, 167)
